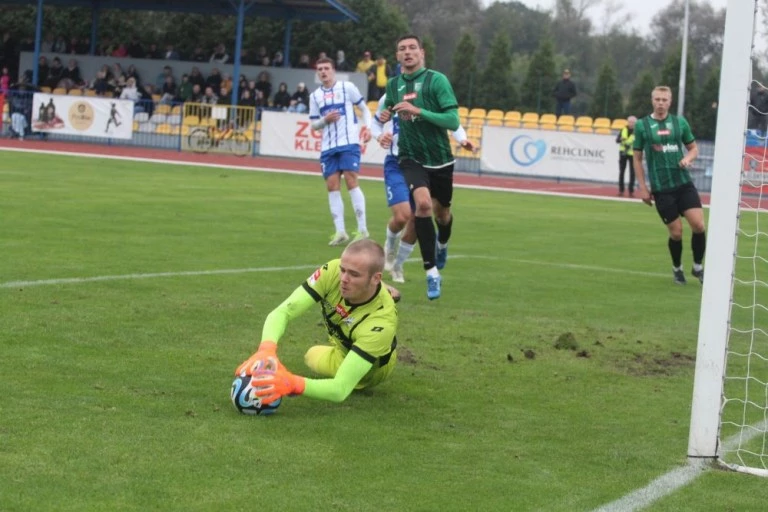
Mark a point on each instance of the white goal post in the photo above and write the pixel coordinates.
(722, 241)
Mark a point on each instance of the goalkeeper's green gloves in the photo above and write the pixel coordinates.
(273, 381)
(266, 350)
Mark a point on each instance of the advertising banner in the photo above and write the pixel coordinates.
(85, 116)
(288, 134)
(550, 154)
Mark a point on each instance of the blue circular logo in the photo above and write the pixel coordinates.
(525, 151)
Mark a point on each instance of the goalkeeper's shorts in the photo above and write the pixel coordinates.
(326, 360)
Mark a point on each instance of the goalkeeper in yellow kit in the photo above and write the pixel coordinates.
(360, 316)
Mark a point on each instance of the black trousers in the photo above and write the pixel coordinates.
(623, 160)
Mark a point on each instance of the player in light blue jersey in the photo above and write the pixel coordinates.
(385, 129)
(331, 110)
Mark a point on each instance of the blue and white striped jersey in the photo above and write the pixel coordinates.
(342, 96)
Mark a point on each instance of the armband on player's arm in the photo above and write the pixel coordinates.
(318, 124)
(460, 135)
(448, 120)
(337, 389)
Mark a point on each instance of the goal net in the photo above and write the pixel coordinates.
(729, 417)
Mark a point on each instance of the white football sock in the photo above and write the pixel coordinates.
(403, 253)
(391, 240)
(337, 210)
(358, 203)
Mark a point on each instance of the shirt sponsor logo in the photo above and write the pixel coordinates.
(665, 148)
(343, 313)
(314, 277)
(664, 132)
(410, 96)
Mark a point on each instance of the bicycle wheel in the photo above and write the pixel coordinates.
(239, 144)
(199, 141)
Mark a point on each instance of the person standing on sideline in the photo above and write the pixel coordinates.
(427, 108)
(331, 111)
(661, 136)
(625, 139)
(385, 130)
(564, 92)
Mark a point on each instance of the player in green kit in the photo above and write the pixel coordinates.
(427, 108)
(661, 137)
(360, 316)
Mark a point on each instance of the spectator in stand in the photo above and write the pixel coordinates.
(196, 96)
(100, 85)
(163, 76)
(252, 88)
(261, 101)
(246, 99)
(299, 99)
(242, 84)
(169, 91)
(220, 54)
(214, 79)
(145, 99)
(130, 92)
(226, 82)
(9, 55)
(154, 52)
(55, 74)
(196, 78)
(170, 53)
(246, 102)
(60, 45)
(132, 72)
(20, 106)
(261, 53)
(365, 63)
(224, 98)
(320, 55)
(264, 84)
(5, 81)
(380, 72)
(247, 58)
(303, 62)
(209, 98)
(75, 46)
(265, 61)
(135, 50)
(185, 88)
(564, 92)
(198, 55)
(42, 70)
(46, 45)
(121, 51)
(282, 99)
(342, 64)
(72, 74)
(278, 61)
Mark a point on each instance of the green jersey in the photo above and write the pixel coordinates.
(662, 144)
(424, 138)
(367, 329)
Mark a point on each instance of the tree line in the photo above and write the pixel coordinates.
(504, 56)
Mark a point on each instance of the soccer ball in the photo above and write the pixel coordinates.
(246, 401)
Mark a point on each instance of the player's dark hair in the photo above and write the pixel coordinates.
(409, 36)
(326, 60)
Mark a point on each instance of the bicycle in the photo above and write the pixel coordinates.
(203, 138)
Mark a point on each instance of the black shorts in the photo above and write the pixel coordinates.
(438, 181)
(673, 203)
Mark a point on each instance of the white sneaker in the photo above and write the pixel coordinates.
(389, 259)
(397, 275)
(339, 239)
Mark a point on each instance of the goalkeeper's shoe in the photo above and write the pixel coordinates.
(340, 238)
(679, 276)
(397, 274)
(359, 235)
(433, 287)
(698, 274)
(441, 257)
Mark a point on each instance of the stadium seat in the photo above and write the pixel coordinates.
(566, 120)
(603, 131)
(59, 90)
(164, 129)
(584, 129)
(146, 128)
(191, 121)
(618, 124)
(90, 92)
(156, 97)
(530, 117)
(45, 89)
(512, 118)
(567, 128)
(176, 110)
(173, 119)
(494, 122)
(584, 121)
(158, 118)
(548, 119)
(476, 121)
(475, 132)
(141, 117)
(547, 126)
(163, 109)
(495, 114)
(136, 125)
(463, 111)
(75, 92)
(477, 113)
(601, 122)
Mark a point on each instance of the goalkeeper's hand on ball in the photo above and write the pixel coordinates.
(266, 350)
(271, 385)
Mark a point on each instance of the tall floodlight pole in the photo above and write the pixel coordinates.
(683, 62)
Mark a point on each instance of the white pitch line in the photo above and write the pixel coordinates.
(152, 275)
(677, 478)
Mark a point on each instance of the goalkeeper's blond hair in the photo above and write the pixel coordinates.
(374, 251)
